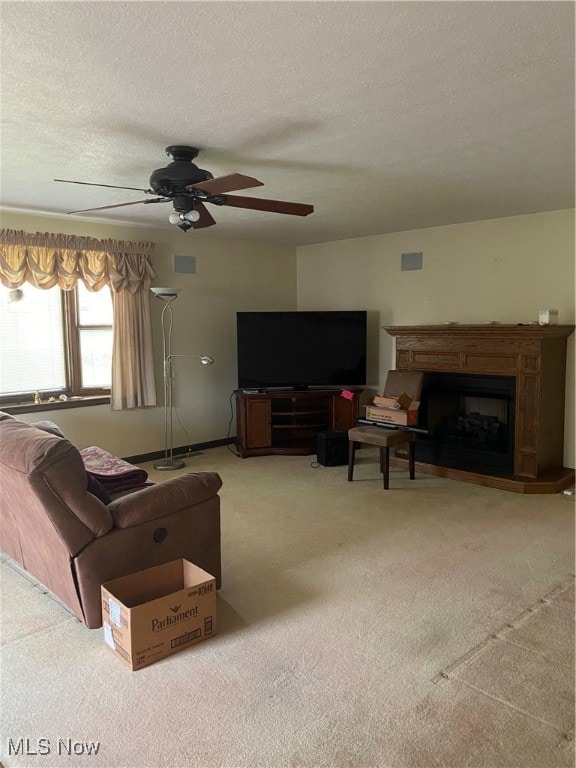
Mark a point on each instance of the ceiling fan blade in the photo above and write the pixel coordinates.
(120, 205)
(274, 206)
(222, 184)
(110, 186)
(205, 219)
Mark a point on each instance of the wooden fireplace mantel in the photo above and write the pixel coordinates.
(536, 356)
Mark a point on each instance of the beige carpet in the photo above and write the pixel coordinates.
(358, 627)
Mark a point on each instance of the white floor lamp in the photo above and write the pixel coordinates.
(168, 295)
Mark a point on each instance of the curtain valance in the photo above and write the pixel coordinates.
(46, 259)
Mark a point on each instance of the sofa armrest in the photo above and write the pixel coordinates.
(162, 499)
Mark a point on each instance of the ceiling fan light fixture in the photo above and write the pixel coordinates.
(192, 215)
(186, 217)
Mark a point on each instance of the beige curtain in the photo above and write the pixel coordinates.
(133, 382)
(49, 259)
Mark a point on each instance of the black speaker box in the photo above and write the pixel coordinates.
(332, 448)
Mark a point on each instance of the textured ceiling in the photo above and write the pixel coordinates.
(386, 116)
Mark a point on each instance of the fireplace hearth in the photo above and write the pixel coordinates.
(492, 404)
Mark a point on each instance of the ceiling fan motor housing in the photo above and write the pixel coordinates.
(182, 203)
(180, 173)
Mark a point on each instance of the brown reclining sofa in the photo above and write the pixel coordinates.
(72, 542)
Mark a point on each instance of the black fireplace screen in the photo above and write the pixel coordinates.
(469, 421)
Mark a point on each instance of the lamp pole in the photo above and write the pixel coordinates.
(168, 295)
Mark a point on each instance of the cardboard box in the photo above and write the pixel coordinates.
(153, 613)
(402, 401)
(403, 418)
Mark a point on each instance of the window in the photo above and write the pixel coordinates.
(55, 342)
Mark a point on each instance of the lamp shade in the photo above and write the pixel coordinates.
(166, 293)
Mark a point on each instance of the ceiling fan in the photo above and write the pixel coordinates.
(188, 187)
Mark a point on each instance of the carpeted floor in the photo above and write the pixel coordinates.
(429, 625)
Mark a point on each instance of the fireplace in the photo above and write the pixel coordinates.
(469, 421)
(492, 403)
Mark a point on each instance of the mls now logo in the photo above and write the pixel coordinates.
(42, 746)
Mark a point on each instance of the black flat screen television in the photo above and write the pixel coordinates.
(301, 349)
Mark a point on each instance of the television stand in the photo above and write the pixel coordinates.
(288, 422)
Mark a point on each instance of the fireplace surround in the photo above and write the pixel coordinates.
(493, 402)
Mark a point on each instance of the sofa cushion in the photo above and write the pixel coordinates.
(165, 498)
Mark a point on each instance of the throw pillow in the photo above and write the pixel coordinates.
(49, 426)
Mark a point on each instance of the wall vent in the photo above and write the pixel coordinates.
(411, 261)
(186, 264)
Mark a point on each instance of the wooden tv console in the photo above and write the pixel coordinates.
(287, 422)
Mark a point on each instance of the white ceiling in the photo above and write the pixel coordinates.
(386, 116)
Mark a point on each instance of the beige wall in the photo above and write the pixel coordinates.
(503, 270)
(230, 276)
